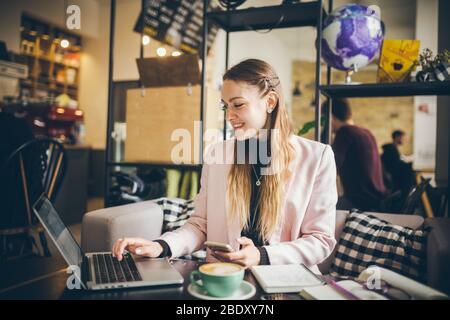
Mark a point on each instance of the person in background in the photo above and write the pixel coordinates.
(400, 172)
(357, 160)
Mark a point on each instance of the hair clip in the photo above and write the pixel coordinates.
(269, 82)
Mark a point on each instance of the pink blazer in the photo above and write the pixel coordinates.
(305, 232)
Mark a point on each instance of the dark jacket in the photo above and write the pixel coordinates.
(400, 172)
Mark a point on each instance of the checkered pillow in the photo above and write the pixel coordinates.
(367, 240)
(176, 212)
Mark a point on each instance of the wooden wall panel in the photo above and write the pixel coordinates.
(152, 119)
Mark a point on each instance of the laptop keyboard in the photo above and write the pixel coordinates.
(110, 270)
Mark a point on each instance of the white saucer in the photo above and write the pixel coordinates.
(245, 291)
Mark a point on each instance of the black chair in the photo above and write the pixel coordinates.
(35, 167)
(413, 199)
(397, 202)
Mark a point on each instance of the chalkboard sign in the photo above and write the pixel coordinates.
(178, 23)
(169, 71)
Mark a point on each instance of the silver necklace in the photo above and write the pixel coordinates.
(258, 179)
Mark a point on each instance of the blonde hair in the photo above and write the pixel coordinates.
(260, 74)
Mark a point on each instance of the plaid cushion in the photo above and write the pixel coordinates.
(176, 212)
(367, 240)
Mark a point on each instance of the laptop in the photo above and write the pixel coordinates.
(100, 270)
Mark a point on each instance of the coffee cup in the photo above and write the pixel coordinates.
(220, 279)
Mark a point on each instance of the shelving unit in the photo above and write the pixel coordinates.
(310, 14)
(53, 70)
(302, 14)
(378, 90)
(281, 16)
(386, 89)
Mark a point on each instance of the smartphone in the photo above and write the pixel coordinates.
(218, 246)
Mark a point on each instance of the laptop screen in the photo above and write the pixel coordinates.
(59, 233)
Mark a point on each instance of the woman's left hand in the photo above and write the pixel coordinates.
(247, 256)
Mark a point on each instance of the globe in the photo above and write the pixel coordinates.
(352, 36)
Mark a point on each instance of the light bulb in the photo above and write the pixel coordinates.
(176, 53)
(145, 40)
(65, 43)
(161, 51)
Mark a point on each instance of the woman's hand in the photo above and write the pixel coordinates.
(247, 256)
(138, 246)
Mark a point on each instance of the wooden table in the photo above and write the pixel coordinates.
(53, 286)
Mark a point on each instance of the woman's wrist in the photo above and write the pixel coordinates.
(165, 249)
(263, 256)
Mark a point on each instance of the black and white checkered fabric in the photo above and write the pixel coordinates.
(367, 240)
(176, 212)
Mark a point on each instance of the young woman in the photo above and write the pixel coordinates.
(274, 207)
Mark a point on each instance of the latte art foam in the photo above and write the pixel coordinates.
(220, 269)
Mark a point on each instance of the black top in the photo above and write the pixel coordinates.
(258, 158)
(261, 161)
(401, 173)
(257, 163)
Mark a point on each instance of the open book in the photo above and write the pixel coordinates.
(285, 278)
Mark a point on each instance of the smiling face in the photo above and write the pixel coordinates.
(246, 110)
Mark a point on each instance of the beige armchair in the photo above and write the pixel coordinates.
(145, 219)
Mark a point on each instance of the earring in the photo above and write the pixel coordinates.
(269, 110)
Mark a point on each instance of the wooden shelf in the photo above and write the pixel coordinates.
(435, 88)
(48, 87)
(48, 82)
(269, 17)
(47, 59)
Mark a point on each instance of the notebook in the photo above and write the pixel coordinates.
(327, 292)
(285, 278)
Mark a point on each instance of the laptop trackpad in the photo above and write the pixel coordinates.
(157, 271)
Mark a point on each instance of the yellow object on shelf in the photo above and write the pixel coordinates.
(397, 60)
